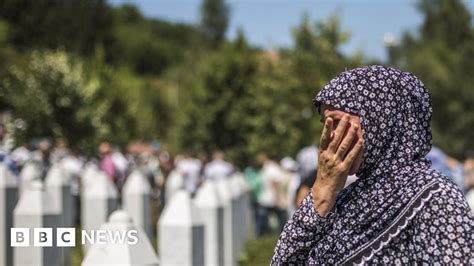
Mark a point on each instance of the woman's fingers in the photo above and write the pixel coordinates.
(346, 143)
(338, 133)
(352, 155)
(326, 135)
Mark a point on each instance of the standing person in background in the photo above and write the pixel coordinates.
(293, 180)
(468, 171)
(307, 159)
(447, 165)
(60, 151)
(254, 179)
(21, 155)
(190, 168)
(74, 164)
(122, 168)
(107, 163)
(218, 168)
(4, 153)
(42, 157)
(272, 174)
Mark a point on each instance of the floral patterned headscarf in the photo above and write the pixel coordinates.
(395, 178)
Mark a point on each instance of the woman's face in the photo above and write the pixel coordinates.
(336, 115)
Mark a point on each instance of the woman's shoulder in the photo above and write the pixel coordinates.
(446, 196)
(446, 186)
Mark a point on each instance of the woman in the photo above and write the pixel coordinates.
(399, 210)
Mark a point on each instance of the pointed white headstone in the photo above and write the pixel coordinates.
(174, 184)
(249, 226)
(99, 201)
(88, 175)
(125, 250)
(8, 200)
(181, 232)
(31, 171)
(36, 210)
(58, 185)
(237, 216)
(225, 192)
(212, 211)
(136, 200)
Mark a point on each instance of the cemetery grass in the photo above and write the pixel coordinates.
(76, 254)
(258, 251)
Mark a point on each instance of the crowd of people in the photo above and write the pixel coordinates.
(278, 185)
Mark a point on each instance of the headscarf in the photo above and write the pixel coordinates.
(395, 179)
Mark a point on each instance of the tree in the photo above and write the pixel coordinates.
(77, 26)
(214, 21)
(245, 101)
(441, 56)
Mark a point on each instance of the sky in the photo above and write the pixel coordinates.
(269, 23)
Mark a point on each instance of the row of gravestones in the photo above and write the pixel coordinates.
(209, 230)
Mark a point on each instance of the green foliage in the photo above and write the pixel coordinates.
(85, 71)
(258, 252)
(83, 102)
(246, 101)
(155, 45)
(442, 58)
(75, 25)
(50, 93)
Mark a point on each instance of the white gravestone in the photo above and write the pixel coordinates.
(99, 201)
(31, 171)
(35, 210)
(88, 176)
(181, 232)
(58, 185)
(237, 216)
(8, 200)
(136, 200)
(125, 250)
(174, 184)
(225, 192)
(212, 211)
(247, 194)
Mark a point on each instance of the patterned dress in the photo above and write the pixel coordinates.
(400, 210)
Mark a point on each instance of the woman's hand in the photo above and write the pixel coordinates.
(337, 152)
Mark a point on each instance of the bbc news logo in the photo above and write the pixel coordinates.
(66, 237)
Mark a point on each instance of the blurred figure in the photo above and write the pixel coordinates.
(107, 163)
(21, 155)
(42, 156)
(254, 179)
(218, 169)
(74, 164)
(4, 152)
(272, 174)
(294, 179)
(447, 165)
(60, 151)
(3, 133)
(202, 156)
(307, 159)
(190, 168)
(469, 178)
(469, 171)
